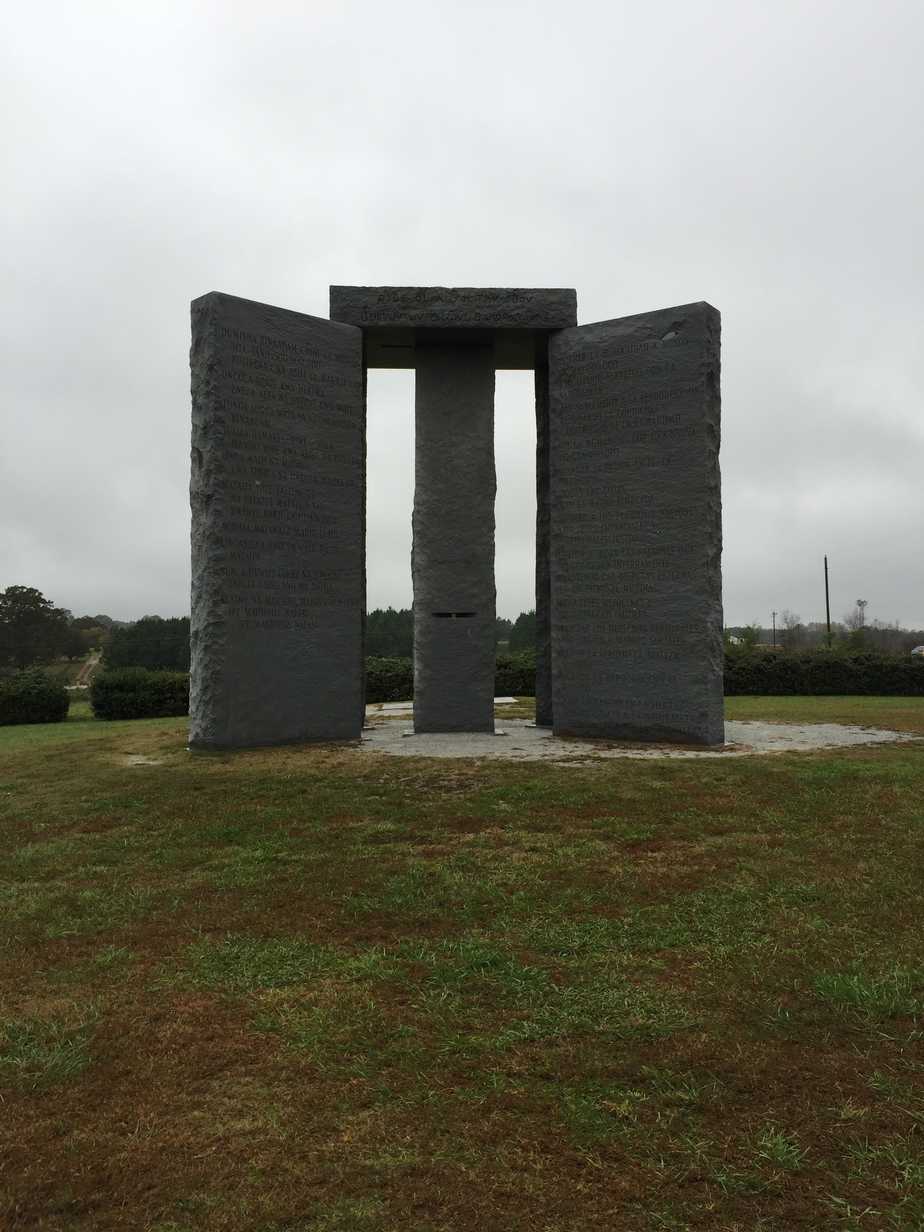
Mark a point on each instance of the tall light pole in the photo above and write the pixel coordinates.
(861, 607)
(773, 614)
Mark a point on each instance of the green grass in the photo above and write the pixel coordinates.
(243, 964)
(780, 1149)
(36, 1054)
(314, 988)
(898, 713)
(898, 993)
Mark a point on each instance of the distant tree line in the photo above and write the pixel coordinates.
(34, 632)
(152, 642)
(390, 632)
(852, 634)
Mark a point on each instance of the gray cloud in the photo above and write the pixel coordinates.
(763, 157)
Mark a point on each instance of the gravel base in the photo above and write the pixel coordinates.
(522, 742)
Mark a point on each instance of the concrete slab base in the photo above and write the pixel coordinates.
(393, 708)
(526, 742)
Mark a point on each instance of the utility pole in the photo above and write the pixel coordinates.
(773, 614)
(827, 603)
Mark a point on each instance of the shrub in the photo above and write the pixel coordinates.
(515, 674)
(389, 680)
(32, 697)
(392, 680)
(816, 673)
(136, 693)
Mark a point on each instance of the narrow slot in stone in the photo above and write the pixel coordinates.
(453, 615)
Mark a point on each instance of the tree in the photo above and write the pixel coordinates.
(32, 629)
(523, 633)
(792, 634)
(390, 633)
(151, 642)
(502, 628)
(886, 637)
(93, 635)
(75, 642)
(744, 637)
(856, 618)
(88, 622)
(855, 622)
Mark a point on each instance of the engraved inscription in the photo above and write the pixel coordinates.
(467, 307)
(277, 500)
(635, 521)
(289, 438)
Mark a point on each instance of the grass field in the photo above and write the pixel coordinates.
(309, 990)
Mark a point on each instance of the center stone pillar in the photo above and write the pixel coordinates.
(453, 555)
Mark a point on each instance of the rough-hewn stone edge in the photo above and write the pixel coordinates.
(709, 732)
(712, 318)
(543, 550)
(455, 307)
(208, 705)
(205, 648)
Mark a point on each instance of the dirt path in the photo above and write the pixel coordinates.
(89, 669)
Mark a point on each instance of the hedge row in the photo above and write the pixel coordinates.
(515, 674)
(821, 672)
(392, 680)
(389, 680)
(137, 693)
(755, 672)
(32, 697)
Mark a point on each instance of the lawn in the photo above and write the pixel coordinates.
(311, 990)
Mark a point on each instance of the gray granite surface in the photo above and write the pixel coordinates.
(453, 552)
(543, 549)
(455, 307)
(277, 495)
(628, 522)
(636, 533)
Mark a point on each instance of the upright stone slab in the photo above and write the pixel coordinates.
(543, 548)
(453, 553)
(277, 494)
(636, 528)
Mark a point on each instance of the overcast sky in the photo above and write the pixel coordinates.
(766, 157)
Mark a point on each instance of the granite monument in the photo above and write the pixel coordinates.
(628, 519)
